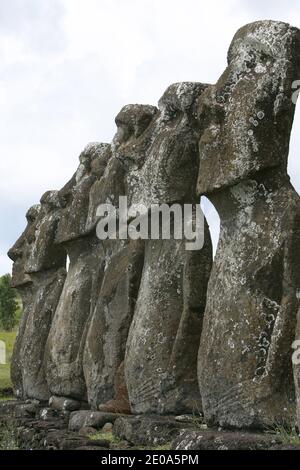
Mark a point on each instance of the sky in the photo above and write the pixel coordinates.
(68, 66)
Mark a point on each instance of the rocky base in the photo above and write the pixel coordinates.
(32, 425)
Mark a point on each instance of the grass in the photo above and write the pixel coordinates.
(163, 447)
(8, 439)
(9, 339)
(114, 441)
(288, 435)
(107, 436)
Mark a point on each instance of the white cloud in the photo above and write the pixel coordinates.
(5, 264)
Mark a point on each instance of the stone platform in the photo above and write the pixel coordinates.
(34, 425)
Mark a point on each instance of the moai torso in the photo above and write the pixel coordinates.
(244, 363)
(161, 354)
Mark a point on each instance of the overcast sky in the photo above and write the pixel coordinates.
(68, 66)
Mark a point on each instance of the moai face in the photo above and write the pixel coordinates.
(249, 109)
(107, 187)
(173, 164)
(162, 160)
(42, 253)
(75, 195)
(19, 252)
(132, 122)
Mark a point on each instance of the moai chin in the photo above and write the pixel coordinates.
(161, 168)
(244, 363)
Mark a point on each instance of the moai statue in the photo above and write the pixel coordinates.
(64, 351)
(245, 366)
(116, 297)
(42, 268)
(161, 168)
(23, 283)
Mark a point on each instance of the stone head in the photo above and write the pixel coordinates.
(247, 116)
(162, 161)
(134, 133)
(42, 252)
(75, 195)
(20, 251)
(107, 188)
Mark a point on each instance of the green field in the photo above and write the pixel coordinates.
(8, 338)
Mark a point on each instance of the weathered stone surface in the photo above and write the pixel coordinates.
(106, 189)
(76, 193)
(87, 431)
(26, 294)
(296, 366)
(120, 401)
(245, 368)
(23, 282)
(107, 428)
(64, 440)
(66, 404)
(161, 165)
(114, 304)
(94, 419)
(48, 288)
(35, 256)
(161, 162)
(10, 408)
(220, 440)
(100, 443)
(148, 430)
(19, 252)
(64, 349)
(45, 265)
(47, 414)
(65, 346)
(52, 433)
(107, 335)
(42, 253)
(73, 442)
